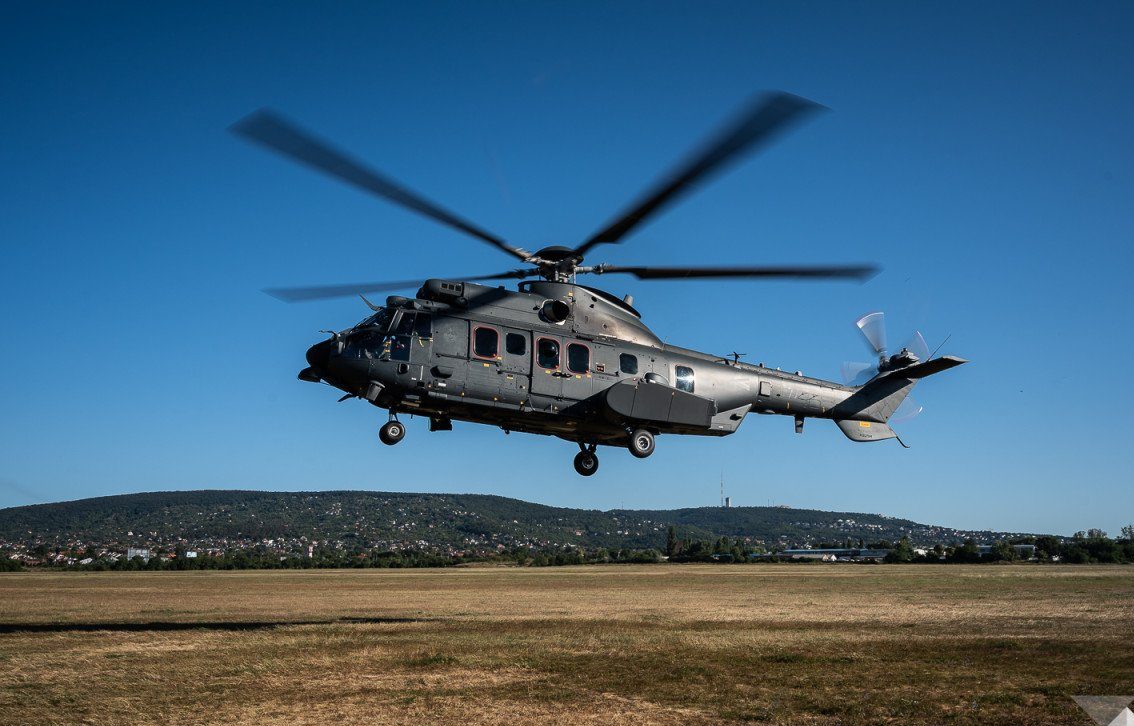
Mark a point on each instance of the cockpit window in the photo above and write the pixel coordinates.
(380, 319)
(399, 347)
(405, 323)
(363, 344)
(423, 326)
(684, 378)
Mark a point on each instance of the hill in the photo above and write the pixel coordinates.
(214, 519)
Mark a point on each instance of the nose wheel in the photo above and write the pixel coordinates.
(586, 461)
(392, 432)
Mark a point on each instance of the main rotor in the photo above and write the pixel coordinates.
(758, 123)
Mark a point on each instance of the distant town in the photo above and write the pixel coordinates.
(242, 529)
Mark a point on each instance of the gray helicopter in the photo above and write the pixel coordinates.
(555, 357)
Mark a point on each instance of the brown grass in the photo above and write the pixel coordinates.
(651, 644)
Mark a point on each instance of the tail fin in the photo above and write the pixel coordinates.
(866, 430)
(863, 416)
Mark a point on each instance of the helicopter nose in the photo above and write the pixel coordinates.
(319, 355)
(318, 358)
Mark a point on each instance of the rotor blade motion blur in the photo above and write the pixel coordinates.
(873, 327)
(907, 409)
(856, 373)
(324, 292)
(918, 346)
(852, 272)
(274, 132)
(763, 119)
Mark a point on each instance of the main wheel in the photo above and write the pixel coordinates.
(641, 443)
(586, 463)
(392, 432)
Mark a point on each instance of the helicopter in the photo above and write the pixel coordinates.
(557, 357)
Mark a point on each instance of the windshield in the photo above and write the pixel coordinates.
(380, 319)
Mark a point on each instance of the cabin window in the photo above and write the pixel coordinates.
(486, 343)
(578, 358)
(423, 325)
(628, 364)
(547, 353)
(516, 344)
(684, 379)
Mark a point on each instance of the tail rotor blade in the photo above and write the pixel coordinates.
(918, 346)
(907, 409)
(873, 327)
(856, 374)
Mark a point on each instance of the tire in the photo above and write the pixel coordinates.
(641, 443)
(586, 463)
(392, 432)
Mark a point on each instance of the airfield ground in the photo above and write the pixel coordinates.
(782, 644)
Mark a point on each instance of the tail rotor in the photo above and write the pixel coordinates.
(873, 329)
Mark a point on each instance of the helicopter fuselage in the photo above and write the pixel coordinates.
(560, 359)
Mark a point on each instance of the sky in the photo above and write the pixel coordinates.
(980, 154)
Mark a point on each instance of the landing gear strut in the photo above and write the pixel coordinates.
(641, 443)
(392, 431)
(586, 461)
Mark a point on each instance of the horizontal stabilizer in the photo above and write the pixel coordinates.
(866, 430)
(929, 367)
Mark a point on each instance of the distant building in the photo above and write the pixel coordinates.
(841, 554)
(1023, 551)
(808, 555)
(143, 552)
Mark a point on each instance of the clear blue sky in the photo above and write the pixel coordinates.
(981, 154)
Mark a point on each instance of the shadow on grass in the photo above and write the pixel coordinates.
(163, 626)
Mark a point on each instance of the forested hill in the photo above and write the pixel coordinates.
(382, 519)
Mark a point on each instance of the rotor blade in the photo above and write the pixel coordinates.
(873, 327)
(760, 121)
(918, 346)
(907, 409)
(857, 374)
(267, 128)
(854, 272)
(323, 292)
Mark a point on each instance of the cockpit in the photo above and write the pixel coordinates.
(387, 334)
(380, 320)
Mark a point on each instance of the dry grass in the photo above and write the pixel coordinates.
(651, 644)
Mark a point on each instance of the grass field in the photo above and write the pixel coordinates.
(782, 644)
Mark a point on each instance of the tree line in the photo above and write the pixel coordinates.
(1089, 547)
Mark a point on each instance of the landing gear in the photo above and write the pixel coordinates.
(392, 432)
(586, 461)
(641, 443)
